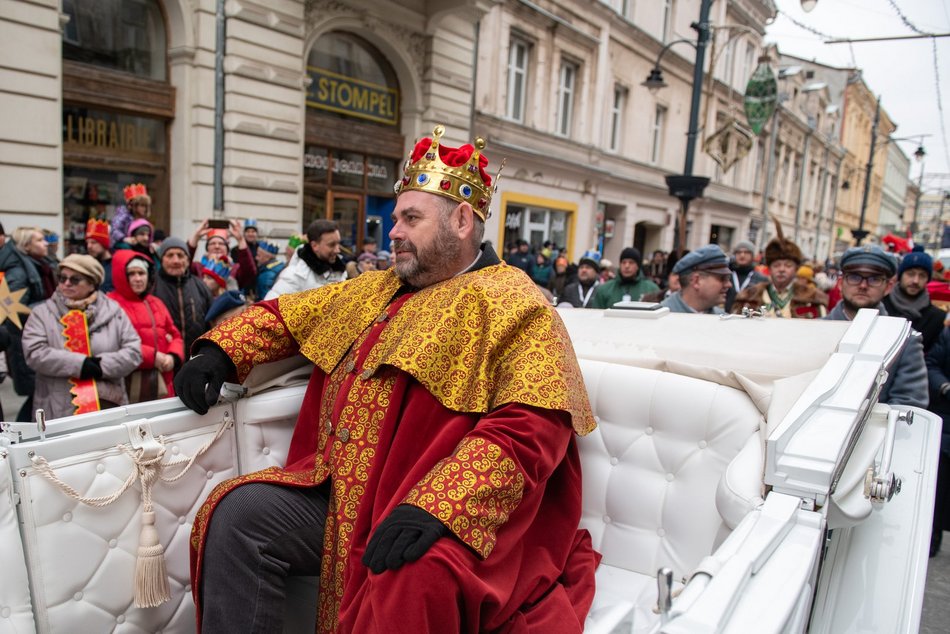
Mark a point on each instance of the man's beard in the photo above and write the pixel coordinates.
(429, 264)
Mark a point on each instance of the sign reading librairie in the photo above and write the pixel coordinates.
(355, 97)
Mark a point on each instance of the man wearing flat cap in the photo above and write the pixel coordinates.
(782, 295)
(629, 285)
(867, 275)
(433, 480)
(704, 276)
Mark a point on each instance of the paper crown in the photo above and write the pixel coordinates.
(219, 270)
(134, 191)
(217, 233)
(270, 247)
(98, 230)
(456, 173)
(52, 237)
(295, 241)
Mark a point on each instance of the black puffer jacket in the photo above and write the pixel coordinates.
(188, 300)
(20, 272)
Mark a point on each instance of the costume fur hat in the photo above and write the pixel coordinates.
(781, 248)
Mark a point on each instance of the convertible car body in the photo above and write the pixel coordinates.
(743, 477)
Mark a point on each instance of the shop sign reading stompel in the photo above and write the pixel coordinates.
(354, 97)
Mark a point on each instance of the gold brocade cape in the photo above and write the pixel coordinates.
(475, 342)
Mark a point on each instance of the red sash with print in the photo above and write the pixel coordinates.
(76, 333)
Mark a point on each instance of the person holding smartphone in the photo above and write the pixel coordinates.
(216, 233)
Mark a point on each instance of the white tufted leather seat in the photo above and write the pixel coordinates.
(651, 473)
(16, 610)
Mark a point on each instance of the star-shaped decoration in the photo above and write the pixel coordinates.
(10, 305)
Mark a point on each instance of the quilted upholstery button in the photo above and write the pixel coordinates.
(596, 418)
(366, 374)
(266, 451)
(67, 517)
(5, 612)
(100, 468)
(660, 532)
(648, 431)
(614, 461)
(187, 588)
(350, 365)
(702, 444)
(606, 519)
(669, 477)
(77, 596)
(176, 450)
(182, 520)
(210, 474)
(113, 543)
(343, 435)
(120, 618)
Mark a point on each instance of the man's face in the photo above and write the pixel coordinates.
(523, 248)
(216, 248)
(629, 268)
(94, 249)
(783, 272)
(914, 281)
(175, 262)
(250, 235)
(711, 288)
(743, 257)
(37, 246)
(369, 246)
(864, 287)
(422, 238)
(327, 248)
(586, 273)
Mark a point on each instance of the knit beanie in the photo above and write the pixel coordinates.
(630, 253)
(917, 260)
(172, 242)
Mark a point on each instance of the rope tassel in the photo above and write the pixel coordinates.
(151, 578)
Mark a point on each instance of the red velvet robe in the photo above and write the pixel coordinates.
(505, 480)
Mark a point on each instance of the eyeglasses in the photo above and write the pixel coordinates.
(855, 279)
(74, 280)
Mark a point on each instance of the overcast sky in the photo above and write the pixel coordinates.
(900, 72)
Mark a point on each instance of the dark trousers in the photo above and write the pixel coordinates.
(260, 534)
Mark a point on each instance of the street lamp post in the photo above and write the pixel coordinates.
(687, 187)
(860, 233)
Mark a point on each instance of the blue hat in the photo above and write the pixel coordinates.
(709, 259)
(592, 255)
(250, 223)
(51, 238)
(869, 255)
(917, 260)
(224, 303)
(270, 247)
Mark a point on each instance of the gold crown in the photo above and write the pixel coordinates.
(462, 183)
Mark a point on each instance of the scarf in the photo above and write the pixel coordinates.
(909, 307)
(317, 265)
(81, 304)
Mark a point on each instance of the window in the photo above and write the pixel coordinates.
(728, 67)
(537, 225)
(749, 63)
(667, 33)
(658, 121)
(565, 98)
(616, 118)
(517, 79)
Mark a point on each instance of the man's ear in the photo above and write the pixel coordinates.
(465, 221)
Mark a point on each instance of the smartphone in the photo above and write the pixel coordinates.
(218, 223)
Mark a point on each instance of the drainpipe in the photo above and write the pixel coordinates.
(821, 204)
(834, 208)
(801, 184)
(220, 38)
(769, 175)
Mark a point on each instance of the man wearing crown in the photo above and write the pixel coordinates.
(433, 479)
(138, 204)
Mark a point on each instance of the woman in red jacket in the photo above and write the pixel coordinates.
(162, 345)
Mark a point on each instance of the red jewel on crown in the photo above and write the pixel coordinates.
(445, 184)
(430, 156)
(481, 203)
(405, 180)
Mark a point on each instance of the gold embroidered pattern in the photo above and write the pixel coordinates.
(253, 337)
(472, 492)
(476, 341)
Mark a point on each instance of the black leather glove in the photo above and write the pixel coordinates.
(90, 368)
(199, 381)
(402, 537)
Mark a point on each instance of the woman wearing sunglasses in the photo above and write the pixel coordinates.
(80, 343)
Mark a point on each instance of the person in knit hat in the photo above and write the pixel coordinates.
(181, 290)
(909, 298)
(97, 245)
(744, 273)
(782, 295)
(629, 285)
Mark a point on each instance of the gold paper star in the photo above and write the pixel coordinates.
(10, 306)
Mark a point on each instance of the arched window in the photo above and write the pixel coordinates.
(125, 35)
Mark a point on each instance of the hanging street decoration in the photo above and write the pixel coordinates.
(10, 304)
(731, 142)
(761, 96)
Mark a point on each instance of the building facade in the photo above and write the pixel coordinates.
(292, 110)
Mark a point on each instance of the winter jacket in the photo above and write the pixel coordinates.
(609, 293)
(20, 272)
(305, 271)
(742, 277)
(187, 300)
(938, 373)
(112, 339)
(907, 381)
(149, 317)
(267, 276)
(119, 227)
(929, 323)
(806, 302)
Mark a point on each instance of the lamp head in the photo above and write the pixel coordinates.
(808, 5)
(655, 81)
(920, 153)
